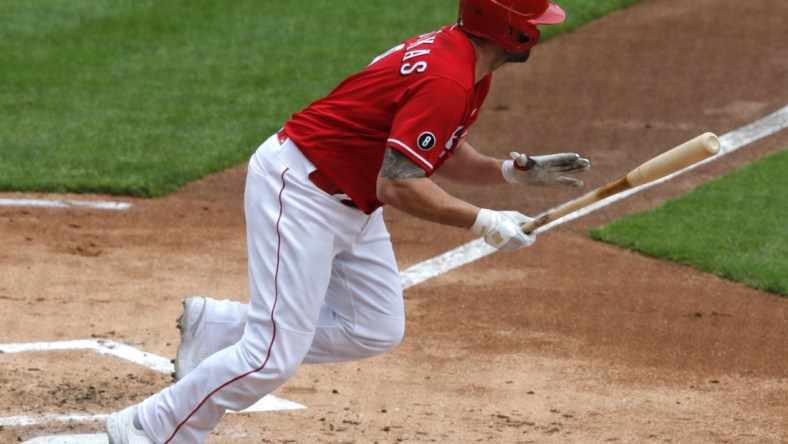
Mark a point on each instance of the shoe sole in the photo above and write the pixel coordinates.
(186, 340)
(112, 426)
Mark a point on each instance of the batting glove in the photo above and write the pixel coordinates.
(501, 229)
(544, 170)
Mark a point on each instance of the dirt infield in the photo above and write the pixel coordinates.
(570, 341)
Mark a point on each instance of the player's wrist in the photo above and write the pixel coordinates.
(512, 170)
(507, 171)
(485, 221)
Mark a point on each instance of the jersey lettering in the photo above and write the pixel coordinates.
(455, 135)
(420, 66)
(428, 39)
(408, 69)
(411, 54)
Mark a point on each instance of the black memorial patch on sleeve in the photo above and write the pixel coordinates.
(426, 141)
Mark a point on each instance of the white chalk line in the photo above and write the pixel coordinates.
(478, 249)
(54, 203)
(269, 403)
(411, 277)
(101, 346)
(151, 361)
(70, 439)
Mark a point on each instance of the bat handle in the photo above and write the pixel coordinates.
(560, 211)
(535, 223)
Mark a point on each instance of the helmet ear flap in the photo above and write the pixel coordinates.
(521, 37)
(512, 24)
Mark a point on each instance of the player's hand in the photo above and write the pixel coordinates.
(501, 229)
(544, 170)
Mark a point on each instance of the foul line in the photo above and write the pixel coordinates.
(477, 249)
(52, 203)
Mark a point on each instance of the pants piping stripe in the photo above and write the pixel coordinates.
(273, 321)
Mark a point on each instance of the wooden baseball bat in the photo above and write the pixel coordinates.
(680, 157)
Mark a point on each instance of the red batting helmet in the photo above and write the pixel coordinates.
(509, 23)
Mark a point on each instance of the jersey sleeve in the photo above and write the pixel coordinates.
(428, 120)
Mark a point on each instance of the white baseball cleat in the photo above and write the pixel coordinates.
(121, 430)
(192, 349)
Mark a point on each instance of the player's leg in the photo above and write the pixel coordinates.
(363, 314)
(288, 281)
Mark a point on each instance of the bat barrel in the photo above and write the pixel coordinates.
(680, 157)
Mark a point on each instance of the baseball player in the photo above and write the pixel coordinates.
(323, 280)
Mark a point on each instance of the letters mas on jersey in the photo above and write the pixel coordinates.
(414, 61)
(412, 51)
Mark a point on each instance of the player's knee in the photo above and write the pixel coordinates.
(275, 364)
(387, 335)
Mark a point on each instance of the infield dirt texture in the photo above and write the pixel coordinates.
(570, 341)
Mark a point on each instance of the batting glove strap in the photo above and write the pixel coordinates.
(519, 163)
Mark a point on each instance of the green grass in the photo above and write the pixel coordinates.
(139, 97)
(735, 227)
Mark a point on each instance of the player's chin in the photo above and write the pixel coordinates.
(517, 57)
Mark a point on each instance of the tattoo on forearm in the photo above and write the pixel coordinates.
(397, 166)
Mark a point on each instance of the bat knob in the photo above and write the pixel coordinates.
(711, 142)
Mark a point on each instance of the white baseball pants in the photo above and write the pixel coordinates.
(324, 287)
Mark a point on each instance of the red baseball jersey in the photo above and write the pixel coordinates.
(418, 98)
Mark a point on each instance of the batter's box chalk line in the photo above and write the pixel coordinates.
(151, 361)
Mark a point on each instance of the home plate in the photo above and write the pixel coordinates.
(269, 403)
